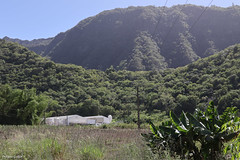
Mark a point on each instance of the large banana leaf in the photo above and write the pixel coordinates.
(194, 122)
(178, 124)
(184, 120)
(202, 131)
(183, 134)
(231, 136)
(153, 128)
(168, 130)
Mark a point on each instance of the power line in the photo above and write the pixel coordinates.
(200, 16)
(154, 32)
(165, 38)
(195, 22)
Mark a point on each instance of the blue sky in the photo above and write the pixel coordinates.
(32, 19)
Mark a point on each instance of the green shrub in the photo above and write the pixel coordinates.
(91, 152)
(200, 136)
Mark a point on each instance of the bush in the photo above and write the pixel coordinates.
(199, 136)
(91, 152)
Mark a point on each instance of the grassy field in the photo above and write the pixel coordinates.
(72, 142)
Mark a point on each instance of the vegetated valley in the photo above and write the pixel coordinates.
(176, 66)
(93, 92)
(75, 90)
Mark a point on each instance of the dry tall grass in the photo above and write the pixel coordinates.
(72, 142)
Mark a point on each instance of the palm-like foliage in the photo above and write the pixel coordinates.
(22, 106)
(199, 136)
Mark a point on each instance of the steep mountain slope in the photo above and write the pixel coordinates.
(93, 92)
(133, 39)
(143, 38)
(36, 45)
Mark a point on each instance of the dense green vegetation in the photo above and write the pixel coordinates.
(203, 135)
(131, 55)
(93, 92)
(131, 39)
(36, 45)
(22, 106)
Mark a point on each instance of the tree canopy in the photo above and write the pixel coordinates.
(114, 91)
(22, 106)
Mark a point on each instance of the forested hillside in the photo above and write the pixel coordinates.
(146, 38)
(36, 45)
(93, 92)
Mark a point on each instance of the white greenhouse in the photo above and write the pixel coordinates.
(76, 119)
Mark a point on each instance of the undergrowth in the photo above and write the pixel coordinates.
(72, 142)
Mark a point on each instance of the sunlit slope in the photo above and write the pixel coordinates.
(93, 92)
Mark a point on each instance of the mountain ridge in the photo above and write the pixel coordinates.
(146, 38)
(36, 45)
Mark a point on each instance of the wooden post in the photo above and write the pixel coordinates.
(138, 108)
(44, 120)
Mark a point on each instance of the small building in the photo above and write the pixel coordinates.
(76, 119)
(98, 120)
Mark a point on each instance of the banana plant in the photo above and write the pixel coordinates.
(199, 136)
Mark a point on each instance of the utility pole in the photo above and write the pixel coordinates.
(44, 122)
(138, 108)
